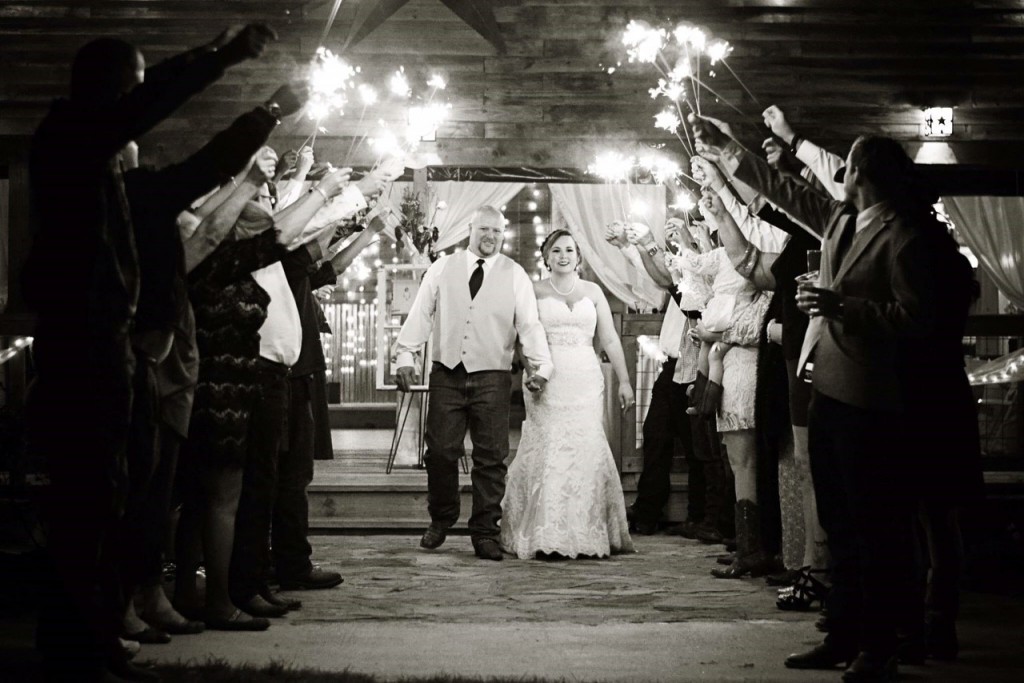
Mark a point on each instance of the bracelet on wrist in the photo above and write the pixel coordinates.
(795, 143)
(323, 194)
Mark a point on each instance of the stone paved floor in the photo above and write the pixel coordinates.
(653, 616)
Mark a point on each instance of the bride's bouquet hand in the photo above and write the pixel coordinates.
(627, 398)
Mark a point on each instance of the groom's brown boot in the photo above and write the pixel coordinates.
(487, 549)
(433, 537)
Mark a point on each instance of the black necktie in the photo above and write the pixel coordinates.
(476, 279)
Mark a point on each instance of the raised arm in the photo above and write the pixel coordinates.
(822, 163)
(170, 86)
(344, 258)
(798, 200)
(225, 155)
(289, 191)
(650, 252)
(217, 225)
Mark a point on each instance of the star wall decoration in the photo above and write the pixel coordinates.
(479, 14)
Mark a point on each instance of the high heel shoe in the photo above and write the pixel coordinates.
(803, 594)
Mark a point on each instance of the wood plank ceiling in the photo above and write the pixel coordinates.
(838, 68)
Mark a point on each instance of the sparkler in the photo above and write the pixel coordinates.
(643, 43)
(399, 84)
(718, 51)
(614, 167)
(329, 77)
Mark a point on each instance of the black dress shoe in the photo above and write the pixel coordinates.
(709, 536)
(911, 649)
(148, 636)
(487, 549)
(685, 529)
(868, 668)
(126, 671)
(256, 606)
(823, 656)
(433, 537)
(941, 642)
(314, 579)
(290, 604)
(645, 528)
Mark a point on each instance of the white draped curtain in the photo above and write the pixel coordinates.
(993, 228)
(461, 198)
(586, 210)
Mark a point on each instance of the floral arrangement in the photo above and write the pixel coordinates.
(413, 224)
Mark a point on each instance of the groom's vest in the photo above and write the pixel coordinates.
(479, 333)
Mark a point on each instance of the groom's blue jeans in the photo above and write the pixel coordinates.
(479, 402)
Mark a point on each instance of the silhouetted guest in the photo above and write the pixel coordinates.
(82, 278)
(164, 343)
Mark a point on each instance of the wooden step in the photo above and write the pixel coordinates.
(352, 492)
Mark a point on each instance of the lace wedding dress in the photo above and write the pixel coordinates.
(563, 494)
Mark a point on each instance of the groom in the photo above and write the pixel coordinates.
(480, 300)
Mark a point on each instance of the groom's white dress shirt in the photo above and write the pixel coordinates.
(478, 332)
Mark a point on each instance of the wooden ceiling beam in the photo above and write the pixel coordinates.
(480, 16)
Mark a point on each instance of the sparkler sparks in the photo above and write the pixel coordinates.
(643, 43)
(672, 90)
(330, 74)
(367, 94)
(612, 167)
(399, 84)
(667, 120)
(687, 34)
(684, 202)
(437, 81)
(718, 51)
(425, 119)
(661, 168)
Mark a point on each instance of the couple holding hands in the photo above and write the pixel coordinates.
(563, 496)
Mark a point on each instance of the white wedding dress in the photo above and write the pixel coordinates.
(563, 494)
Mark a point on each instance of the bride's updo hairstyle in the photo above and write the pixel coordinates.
(549, 242)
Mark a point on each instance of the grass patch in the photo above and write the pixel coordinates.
(217, 671)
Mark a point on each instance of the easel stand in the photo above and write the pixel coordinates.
(406, 399)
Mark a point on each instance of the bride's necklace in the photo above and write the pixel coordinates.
(571, 289)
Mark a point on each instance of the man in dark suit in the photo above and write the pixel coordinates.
(82, 279)
(874, 299)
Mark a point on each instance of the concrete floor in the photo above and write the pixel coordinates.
(653, 616)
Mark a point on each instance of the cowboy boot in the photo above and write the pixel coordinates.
(750, 559)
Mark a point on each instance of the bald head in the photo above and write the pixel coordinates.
(486, 231)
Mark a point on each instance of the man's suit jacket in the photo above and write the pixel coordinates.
(886, 287)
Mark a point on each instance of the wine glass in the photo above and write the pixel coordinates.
(813, 268)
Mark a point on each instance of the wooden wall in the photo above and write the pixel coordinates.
(839, 68)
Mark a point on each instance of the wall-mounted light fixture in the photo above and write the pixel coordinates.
(938, 122)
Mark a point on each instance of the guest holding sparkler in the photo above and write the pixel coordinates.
(82, 278)
(230, 309)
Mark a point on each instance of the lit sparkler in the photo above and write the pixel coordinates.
(612, 167)
(667, 120)
(643, 43)
(399, 84)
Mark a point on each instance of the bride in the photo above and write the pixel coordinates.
(563, 496)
